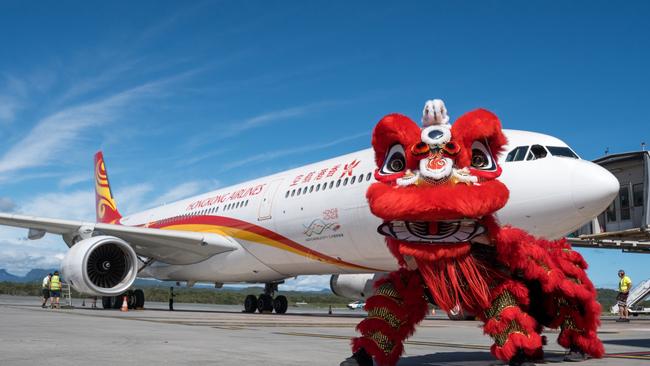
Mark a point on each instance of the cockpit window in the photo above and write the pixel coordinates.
(536, 152)
(562, 151)
(517, 154)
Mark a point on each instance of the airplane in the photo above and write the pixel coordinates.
(311, 220)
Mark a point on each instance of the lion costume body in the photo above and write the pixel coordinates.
(437, 193)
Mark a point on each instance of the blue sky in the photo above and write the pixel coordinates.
(186, 97)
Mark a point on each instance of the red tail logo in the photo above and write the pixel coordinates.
(104, 203)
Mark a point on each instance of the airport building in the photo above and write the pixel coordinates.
(626, 222)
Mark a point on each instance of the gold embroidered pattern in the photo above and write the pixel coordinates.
(386, 315)
(383, 342)
(504, 300)
(514, 327)
(389, 291)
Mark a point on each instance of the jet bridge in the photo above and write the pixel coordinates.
(625, 224)
(634, 300)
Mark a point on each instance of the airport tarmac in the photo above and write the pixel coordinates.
(223, 335)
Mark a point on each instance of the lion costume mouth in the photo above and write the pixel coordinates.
(438, 232)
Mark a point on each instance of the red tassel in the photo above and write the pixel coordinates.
(457, 281)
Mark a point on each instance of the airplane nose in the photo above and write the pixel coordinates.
(593, 188)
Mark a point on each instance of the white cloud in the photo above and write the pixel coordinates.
(181, 191)
(132, 198)
(55, 134)
(7, 204)
(20, 260)
(78, 205)
(271, 155)
(73, 179)
(307, 283)
(11, 98)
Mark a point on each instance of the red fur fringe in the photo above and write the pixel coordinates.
(477, 125)
(434, 203)
(456, 281)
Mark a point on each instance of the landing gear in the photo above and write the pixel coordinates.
(280, 304)
(135, 300)
(250, 304)
(265, 303)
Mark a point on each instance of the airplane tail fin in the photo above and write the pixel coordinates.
(105, 205)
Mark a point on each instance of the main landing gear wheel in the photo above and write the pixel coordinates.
(280, 304)
(250, 304)
(265, 303)
(117, 302)
(138, 294)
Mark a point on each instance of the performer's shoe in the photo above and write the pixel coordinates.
(575, 355)
(359, 358)
(521, 359)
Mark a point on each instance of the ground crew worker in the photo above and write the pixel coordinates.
(624, 286)
(55, 290)
(45, 289)
(171, 298)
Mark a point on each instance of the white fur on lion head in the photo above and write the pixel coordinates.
(434, 113)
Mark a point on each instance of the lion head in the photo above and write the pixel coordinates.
(437, 186)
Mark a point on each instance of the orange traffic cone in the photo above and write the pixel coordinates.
(125, 305)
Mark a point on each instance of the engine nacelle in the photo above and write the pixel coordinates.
(101, 265)
(354, 286)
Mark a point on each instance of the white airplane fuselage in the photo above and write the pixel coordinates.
(315, 219)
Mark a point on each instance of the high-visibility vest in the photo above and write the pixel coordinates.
(55, 283)
(624, 284)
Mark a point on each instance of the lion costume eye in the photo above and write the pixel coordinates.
(482, 156)
(395, 161)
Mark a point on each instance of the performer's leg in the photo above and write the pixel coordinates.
(393, 311)
(515, 333)
(574, 308)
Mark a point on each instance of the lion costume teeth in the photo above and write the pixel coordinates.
(437, 192)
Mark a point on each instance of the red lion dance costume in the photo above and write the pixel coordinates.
(437, 193)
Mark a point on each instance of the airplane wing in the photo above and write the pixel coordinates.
(168, 246)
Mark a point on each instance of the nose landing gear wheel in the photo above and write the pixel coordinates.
(250, 304)
(265, 303)
(280, 304)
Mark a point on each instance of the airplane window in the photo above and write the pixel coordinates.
(360, 178)
(299, 191)
(246, 202)
(368, 176)
(304, 190)
(331, 184)
(311, 188)
(536, 152)
(338, 183)
(318, 187)
(562, 151)
(517, 154)
(286, 195)
(345, 181)
(353, 179)
(217, 210)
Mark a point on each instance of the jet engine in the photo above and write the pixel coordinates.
(100, 265)
(354, 286)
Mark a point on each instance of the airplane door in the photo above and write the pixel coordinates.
(266, 206)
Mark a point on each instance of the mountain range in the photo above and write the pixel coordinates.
(35, 275)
